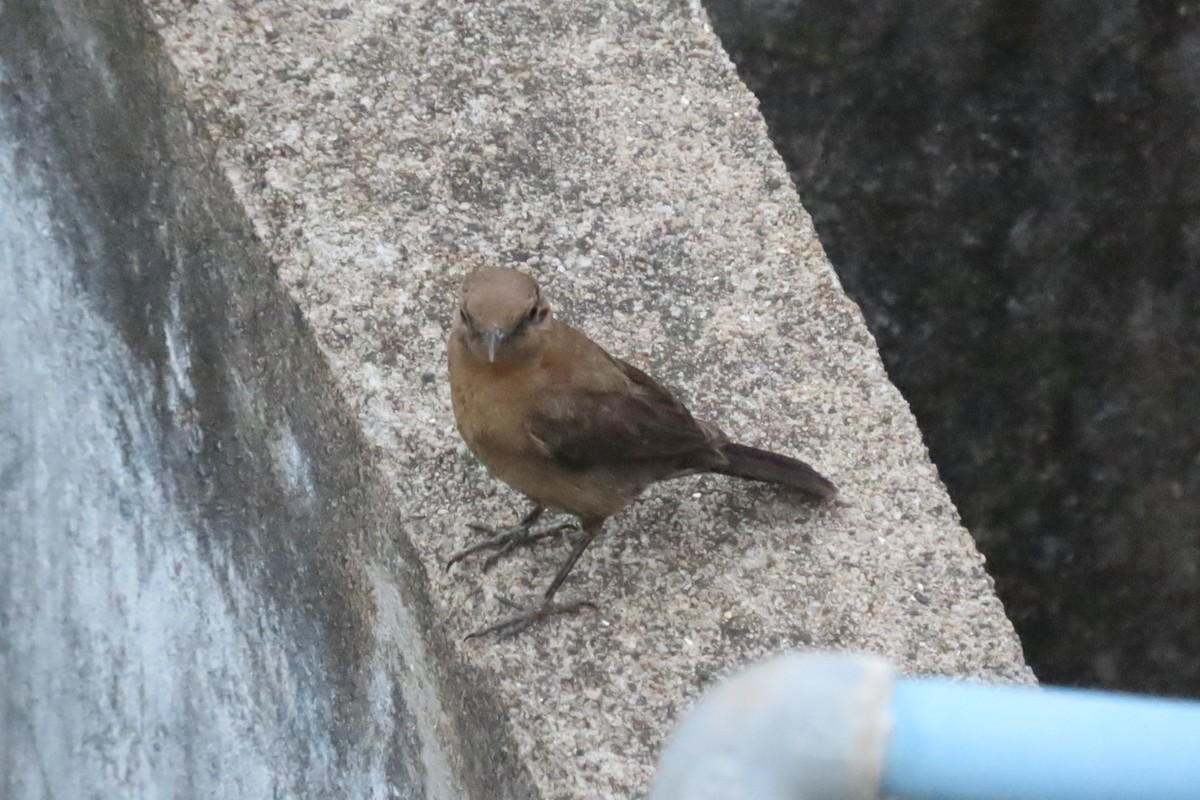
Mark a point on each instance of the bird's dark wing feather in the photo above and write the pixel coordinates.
(640, 423)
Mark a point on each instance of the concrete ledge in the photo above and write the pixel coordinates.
(381, 152)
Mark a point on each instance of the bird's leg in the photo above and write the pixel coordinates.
(591, 529)
(505, 540)
(525, 617)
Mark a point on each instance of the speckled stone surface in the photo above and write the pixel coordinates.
(383, 150)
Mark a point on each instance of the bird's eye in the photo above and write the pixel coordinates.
(464, 316)
(533, 314)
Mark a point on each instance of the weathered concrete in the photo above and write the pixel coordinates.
(384, 149)
(203, 593)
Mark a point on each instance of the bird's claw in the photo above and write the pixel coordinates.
(505, 541)
(526, 617)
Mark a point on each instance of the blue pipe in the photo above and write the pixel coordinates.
(840, 727)
(956, 741)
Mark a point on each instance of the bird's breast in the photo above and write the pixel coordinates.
(491, 409)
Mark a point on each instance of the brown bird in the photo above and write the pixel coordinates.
(553, 415)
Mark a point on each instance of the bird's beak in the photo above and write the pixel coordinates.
(492, 338)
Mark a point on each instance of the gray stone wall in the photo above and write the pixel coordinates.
(203, 590)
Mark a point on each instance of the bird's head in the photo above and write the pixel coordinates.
(503, 315)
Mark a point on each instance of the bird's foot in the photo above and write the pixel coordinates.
(528, 616)
(505, 540)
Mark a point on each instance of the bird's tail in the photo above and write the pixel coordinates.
(761, 465)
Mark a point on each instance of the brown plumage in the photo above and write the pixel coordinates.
(553, 415)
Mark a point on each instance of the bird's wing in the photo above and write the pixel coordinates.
(641, 421)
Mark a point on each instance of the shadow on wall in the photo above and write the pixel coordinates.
(1011, 191)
